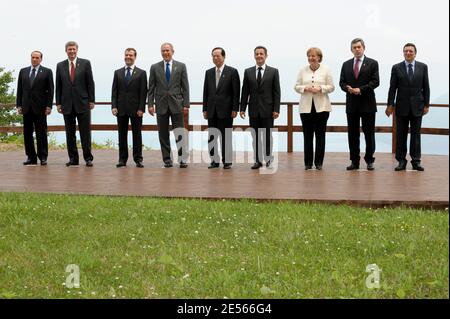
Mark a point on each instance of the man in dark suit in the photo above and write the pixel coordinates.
(261, 92)
(221, 92)
(359, 79)
(409, 96)
(129, 94)
(75, 98)
(169, 91)
(34, 100)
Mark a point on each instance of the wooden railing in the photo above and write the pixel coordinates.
(290, 128)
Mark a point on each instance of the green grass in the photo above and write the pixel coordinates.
(162, 248)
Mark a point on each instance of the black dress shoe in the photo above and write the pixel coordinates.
(257, 166)
(213, 165)
(29, 162)
(139, 165)
(269, 163)
(121, 164)
(418, 167)
(227, 166)
(43, 162)
(353, 167)
(183, 165)
(319, 167)
(370, 167)
(401, 167)
(72, 163)
(89, 164)
(308, 167)
(168, 165)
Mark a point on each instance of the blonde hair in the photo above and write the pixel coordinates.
(316, 51)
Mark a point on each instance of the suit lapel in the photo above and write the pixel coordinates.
(133, 75)
(266, 72)
(38, 75)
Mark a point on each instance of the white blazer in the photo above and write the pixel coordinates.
(321, 77)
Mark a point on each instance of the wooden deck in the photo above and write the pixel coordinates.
(382, 187)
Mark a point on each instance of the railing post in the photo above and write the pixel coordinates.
(394, 133)
(290, 130)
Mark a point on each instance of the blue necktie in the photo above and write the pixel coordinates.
(32, 76)
(168, 73)
(128, 76)
(410, 72)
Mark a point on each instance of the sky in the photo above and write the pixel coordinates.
(104, 28)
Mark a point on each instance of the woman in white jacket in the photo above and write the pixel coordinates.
(314, 82)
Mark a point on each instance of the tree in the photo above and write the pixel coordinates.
(8, 115)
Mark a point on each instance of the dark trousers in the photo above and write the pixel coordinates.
(35, 123)
(403, 122)
(136, 126)
(84, 127)
(262, 138)
(368, 126)
(314, 124)
(220, 129)
(180, 136)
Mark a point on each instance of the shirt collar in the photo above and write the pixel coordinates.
(264, 66)
(361, 59)
(413, 63)
(37, 68)
(221, 68)
(131, 67)
(170, 63)
(74, 61)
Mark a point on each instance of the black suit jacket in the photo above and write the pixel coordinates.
(131, 98)
(368, 80)
(263, 100)
(36, 97)
(411, 95)
(224, 99)
(79, 94)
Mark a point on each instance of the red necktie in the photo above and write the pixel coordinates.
(72, 72)
(356, 68)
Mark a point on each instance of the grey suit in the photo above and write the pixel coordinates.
(170, 98)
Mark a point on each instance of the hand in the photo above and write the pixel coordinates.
(316, 90)
(48, 111)
(233, 114)
(426, 110)
(19, 110)
(140, 113)
(151, 110)
(308, 89)
(59, 109)
(242, 114)
(205, 115)
(349, 89)
(115, 111)
(91, 105)
(275, 115)
(389, 110)
(357, 91)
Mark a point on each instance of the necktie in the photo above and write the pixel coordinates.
(217, 77)
(410, 72)
(356, 68)
(128, 76)
(32, 76)
(259, 76)
(168, 73)
(72, 72)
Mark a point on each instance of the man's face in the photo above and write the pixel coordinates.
(217, 57)
(130, 57)
(358, 50)
(36, 59)
(260, 57)
(409, 54)
(72, 52)
(167, 52)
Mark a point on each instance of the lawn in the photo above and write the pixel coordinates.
(165, 248)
